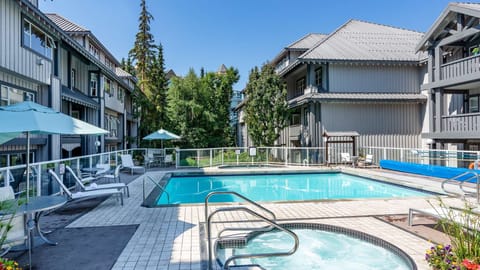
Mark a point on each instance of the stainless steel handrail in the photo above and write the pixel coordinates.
(245, 256)
(456, 179)
(214, 193)
(157, 184)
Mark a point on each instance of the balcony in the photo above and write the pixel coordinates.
(462, 70)
(461, 126)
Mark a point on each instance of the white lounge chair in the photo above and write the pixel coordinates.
(453, 214)
(85, 195)
(18, 233)
(119, 186)
(102, 169)
(127, 162)
(345, 158)
(115, 176)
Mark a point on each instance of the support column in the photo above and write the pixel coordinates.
(438, 109)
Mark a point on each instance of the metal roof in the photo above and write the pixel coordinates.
(359, 98)
(122, 73)
(364, 41)
(307, 42)
(446, 17)
(65, 24)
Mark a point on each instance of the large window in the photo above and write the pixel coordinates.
(473, 104)
(37, 40)
(112, 124)
(299, 86)
(10, 95)
(120, 94)
(94, 51)
(73, 78)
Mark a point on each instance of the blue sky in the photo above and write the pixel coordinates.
(238, 33)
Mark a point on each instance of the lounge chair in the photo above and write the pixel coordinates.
(115, 176)
(102, 169)
(127, 162)
(454, 214)
(119, 186)
(168, 160)
(18, 233)
(345, 158)
(85, 195)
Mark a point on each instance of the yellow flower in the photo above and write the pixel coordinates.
(428, 251)
(439, 246)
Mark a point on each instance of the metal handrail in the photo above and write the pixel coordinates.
(462, 181)
(156, 184)
(245, 256)
(214, 193)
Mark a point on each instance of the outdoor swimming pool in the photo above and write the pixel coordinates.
(321, 249)
(280, 187)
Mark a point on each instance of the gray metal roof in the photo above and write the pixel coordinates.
(307, 41)
(64, 24)
(359, 98)
(446, 17)
(122, 73)
(364, 41)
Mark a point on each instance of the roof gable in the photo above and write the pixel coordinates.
(307, 41)
(448, 21)
(364, 41)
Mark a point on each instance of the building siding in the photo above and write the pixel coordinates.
(354, 78)
(14, 57)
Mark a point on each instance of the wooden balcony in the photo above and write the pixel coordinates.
(460, 68)
(462, 125)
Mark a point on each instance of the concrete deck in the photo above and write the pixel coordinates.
(169, 237)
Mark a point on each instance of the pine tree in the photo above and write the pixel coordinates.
(266, 110)
(144, 48)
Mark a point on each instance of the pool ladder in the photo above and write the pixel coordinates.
(272, 224)
(156, 184)
(460, 180)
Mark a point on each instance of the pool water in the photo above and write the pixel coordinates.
(280, 187)
(317, 250)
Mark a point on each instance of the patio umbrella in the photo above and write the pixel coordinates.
(161, 134)
(32, 118)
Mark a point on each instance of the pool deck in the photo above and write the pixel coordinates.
(170, 237)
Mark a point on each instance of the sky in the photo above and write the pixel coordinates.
(238, 33)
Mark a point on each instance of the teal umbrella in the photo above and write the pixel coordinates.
(32, 118)
(162, 134)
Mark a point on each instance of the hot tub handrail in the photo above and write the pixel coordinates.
(244, 256)
(214, 193)
(156, 184)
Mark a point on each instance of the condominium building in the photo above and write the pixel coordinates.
(42, 61)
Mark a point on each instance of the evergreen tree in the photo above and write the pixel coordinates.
(266, 110)
(144, 48)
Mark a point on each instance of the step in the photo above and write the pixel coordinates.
(246, 267)
(232, 241)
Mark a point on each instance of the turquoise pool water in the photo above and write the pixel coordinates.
(280, 187)
(318, 250)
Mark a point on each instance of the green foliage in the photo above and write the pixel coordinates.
(199, 107)
(266, 109)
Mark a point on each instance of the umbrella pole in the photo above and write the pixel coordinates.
(28, 165)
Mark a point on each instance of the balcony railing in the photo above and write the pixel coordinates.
(461, 67)
(295, 131)
(462, 123)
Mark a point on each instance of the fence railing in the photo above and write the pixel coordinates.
(42, 184)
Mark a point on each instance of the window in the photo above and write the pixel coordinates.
(76, 114)
(73, 78)
(10, 95)
(111, 124)
(94, 51)
(306, 113)
(295, 119)
(120, 94)
(37, 40)
(108, 89)
(93, 85)
(299, 86)
(318, 77)
(473, 104)
(113, 90)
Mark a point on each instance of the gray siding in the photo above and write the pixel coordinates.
(373, 78)
(372, 118)
(18, 81)
(378, 124)
(13, 56)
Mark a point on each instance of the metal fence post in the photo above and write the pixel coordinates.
(286, 155)
(198, 158)
(222, 156)
(211, 158)
(384, 153)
